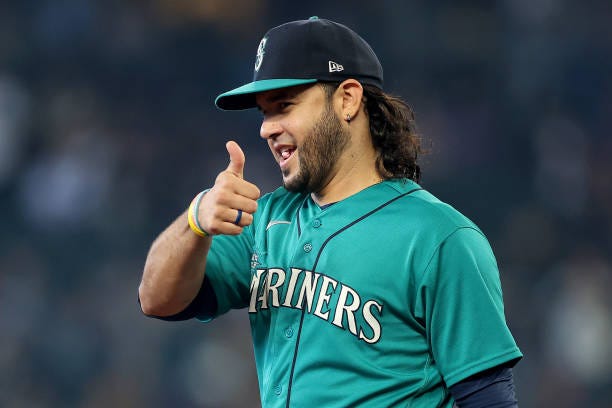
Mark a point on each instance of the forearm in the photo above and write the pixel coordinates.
(174, 269)
(175, 266)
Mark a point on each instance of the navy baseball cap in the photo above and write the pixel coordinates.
(303, 52)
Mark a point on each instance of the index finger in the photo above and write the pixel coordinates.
(247, 189)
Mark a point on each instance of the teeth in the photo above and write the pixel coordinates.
(285, 153)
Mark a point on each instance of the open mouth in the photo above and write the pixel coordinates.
(285, 153)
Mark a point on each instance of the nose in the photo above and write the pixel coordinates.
(270, 129)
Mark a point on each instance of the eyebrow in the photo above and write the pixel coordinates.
(284, 94)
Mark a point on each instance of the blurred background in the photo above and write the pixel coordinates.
(108, 129)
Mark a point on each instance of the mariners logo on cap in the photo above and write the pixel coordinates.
(260, 53)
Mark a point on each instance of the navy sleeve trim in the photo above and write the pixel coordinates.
(489, 388)
(205, 303)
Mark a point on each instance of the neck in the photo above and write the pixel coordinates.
(356, 170)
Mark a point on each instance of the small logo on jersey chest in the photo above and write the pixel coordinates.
(254, 260)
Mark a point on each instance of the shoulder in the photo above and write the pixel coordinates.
(427, 211)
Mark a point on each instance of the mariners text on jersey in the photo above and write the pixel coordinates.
(320, 295)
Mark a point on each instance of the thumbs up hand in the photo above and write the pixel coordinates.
(237, 159)
(230, 204)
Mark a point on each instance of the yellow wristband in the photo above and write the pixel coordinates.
(192, 215)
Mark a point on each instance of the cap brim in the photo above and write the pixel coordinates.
(244, 96)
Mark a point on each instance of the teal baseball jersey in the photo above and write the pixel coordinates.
(386, 298)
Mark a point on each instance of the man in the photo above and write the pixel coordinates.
(362, 288)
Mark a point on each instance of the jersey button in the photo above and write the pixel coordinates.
(307, 247)
(316, 223)
(289, 332)
(278, 389)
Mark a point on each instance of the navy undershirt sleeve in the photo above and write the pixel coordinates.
(493, 388)
(205, 303)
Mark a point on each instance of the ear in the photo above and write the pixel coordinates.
(351, 94)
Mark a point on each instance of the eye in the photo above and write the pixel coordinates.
(284, 105)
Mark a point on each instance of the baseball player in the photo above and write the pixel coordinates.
(362, 288)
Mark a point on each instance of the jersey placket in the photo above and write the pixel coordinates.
(310, 241)
(286, 321)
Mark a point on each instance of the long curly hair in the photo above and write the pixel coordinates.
(393, 131)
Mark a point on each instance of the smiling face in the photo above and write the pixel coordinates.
(305, 135)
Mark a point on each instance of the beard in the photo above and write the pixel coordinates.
(319, 153)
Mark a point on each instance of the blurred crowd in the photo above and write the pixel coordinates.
(108, 129)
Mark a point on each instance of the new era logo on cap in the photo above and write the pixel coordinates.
(335, 67)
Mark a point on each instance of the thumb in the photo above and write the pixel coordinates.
(237, 159)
